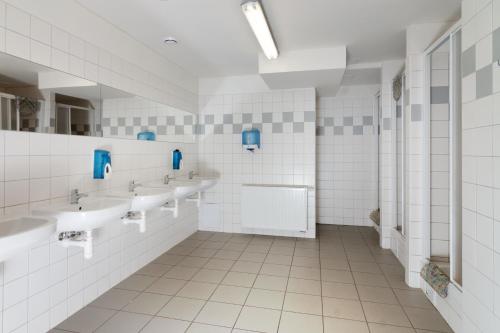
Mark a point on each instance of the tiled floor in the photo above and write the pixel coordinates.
(215, 282)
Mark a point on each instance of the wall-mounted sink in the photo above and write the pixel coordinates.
(75, 222)
(23, 232)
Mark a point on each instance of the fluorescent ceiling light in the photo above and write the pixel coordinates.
(257, 20)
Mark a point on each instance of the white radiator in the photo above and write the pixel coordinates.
(276, 207)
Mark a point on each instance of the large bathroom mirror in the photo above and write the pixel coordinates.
(35, 98)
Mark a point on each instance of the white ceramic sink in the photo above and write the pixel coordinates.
(206, 182)
(144, 198)
(90, 213)
(180, 188)
(22, 232)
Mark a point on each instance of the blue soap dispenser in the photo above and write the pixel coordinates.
(250, 139)
(102, 164)
(176, 159)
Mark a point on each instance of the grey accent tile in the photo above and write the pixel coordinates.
(338, 130)
(170, 120)
(267, 117)
(105, 122)
(298, 127)
(247, 118)
(188, 120)
(328, 121)
(416, 112)
(179, 130)
(144, 128)
(218, 129)
(113, 130)
(469, 61)
(484, 82)
(367, 120)
(348, 121)
(98, 127)
(320, 131)
(162, 130)
(152, 121)
(387, 124)
(277, 127)
(121, 121)
(137, 121)
(288, 117)
(257, 126)
(357, 130)
(209, 119)
(440, 95)
(227, 119)
(237, 128)
(201, 129)
(309, 116)
(129, 130)
(496, 45)
(398, 111)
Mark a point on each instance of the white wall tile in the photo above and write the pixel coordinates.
(41, 31)
(17, 20)
(17, 45)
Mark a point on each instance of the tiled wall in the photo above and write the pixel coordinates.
(346, 160)
(481, 165)
(439, 149)
(63, 35)
(126, 117)
(44, 285)
(287, 121)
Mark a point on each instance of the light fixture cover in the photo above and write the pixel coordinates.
(257, 20)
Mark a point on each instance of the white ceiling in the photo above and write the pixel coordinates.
(215, 39)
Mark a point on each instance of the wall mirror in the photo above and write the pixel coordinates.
(35, 98)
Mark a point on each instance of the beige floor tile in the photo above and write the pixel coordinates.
(154, 269)
(427, 319)
(302, 286)
(204, 328)
(230, 294)
(311, 253)
(221, 264)
(182, 308)
(162, 325)
(227, 254)
(169, 259)
(274, 269)
(193, 262)
(397, 281)
(136, 282)
(271, 282)
(339, 290)
(198, 290)
(305, 273)
(181, 250)
(392, 269)
(283, 250)
(257, 319)
(235, 246)
(305, 262)
(258, 248)
(239, 279)
(299, 323)
(337, 325)
(278, 259)
(124, 322)
(166, 286)
(203, 253)
(220, 314)
(385, 314)
(381, 328)
(253, 256)
(335, 275)
(270, 299)
(376, 294)
(342, 308)
(115, 299)
(209, 275)
(246, 266)
(366, 267)
(369, 279)
(147, 303)
(302, 303)
(212, 245)
(181, 273)
(86, 320)
(413, 298)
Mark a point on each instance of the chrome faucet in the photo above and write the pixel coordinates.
(132, 186)
(167, 179)
(191, 174)
(76, 196)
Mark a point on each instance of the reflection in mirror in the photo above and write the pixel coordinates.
(34, 98)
